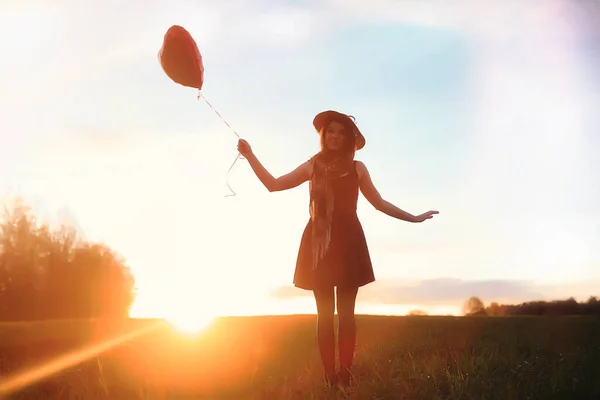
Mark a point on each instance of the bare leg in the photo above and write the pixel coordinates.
(346, 301)
(325, 335)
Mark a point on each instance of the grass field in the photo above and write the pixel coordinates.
(277, 358)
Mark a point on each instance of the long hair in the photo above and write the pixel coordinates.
(328, 166)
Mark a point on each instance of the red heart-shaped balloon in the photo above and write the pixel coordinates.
(180, 58)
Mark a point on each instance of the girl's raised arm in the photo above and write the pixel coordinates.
(288, 181)
(368, 190)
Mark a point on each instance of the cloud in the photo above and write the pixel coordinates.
(280, 26)
(495, 20)
(447, 291)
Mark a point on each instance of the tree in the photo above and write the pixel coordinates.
(473, 306)
(417, 312)
(494, 309)
(49, 273)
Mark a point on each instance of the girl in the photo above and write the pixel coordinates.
(333, 254)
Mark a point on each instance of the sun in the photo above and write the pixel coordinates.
(191, 324)
(180, 313)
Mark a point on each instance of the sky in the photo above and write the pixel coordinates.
(486, 112)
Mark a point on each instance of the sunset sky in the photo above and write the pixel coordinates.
(485, 111)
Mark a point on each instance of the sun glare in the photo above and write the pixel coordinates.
(191, 324)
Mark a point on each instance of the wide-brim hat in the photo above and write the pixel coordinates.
(329, 115)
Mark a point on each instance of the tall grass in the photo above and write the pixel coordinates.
(277, 358)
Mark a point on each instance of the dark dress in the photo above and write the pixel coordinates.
(347, 262)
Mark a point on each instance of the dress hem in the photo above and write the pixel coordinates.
(307, 287)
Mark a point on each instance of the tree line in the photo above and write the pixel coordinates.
(51, 273)
(475, 306)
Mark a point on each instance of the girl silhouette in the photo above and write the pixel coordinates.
(333, 258)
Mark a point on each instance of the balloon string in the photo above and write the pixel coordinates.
(222, 119)
(239, 156)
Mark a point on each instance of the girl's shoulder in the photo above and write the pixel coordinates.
(360, 167)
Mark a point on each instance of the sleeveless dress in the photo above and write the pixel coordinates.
(347, 262)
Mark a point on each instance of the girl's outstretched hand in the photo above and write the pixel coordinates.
(244, 148)
(425, 216)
